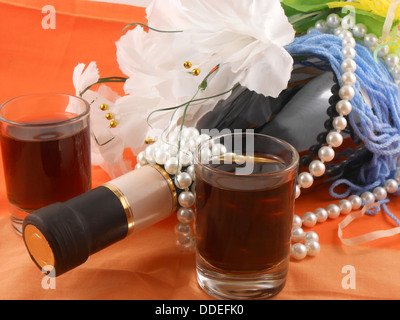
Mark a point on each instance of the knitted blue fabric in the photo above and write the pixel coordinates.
(379, 127)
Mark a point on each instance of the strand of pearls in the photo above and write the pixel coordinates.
(346, 27)
(181, 169)
(307, 243)
(334, 138)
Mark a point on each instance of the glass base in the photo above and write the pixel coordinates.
(17, 217)
(241, 286)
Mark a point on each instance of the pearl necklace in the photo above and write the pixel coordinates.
(307, 243)
(180, 164)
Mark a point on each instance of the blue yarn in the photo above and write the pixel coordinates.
(378, 128)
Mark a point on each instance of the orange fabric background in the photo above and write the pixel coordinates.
(147, 265)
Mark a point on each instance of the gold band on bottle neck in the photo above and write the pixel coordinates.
(126, 205)
(171, 184)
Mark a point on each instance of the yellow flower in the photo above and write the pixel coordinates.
(378, 7)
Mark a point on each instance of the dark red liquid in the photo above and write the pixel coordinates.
(244, 230)
(46, 168)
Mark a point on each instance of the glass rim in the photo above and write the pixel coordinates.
(55, 123)
(293, 164)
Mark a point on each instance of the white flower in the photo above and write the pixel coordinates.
(84, 78)
(244, 38)
(248, 36)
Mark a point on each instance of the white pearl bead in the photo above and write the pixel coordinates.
(183, 180)
(349, 65)
(193, 188)
(334, 139)
(349, 42)
(326, 153)
(313, 248)
(346, 34)
(161, 156)
(172, 138)
(339, 123)
(218, 149)
(333, 211)
(317, 168)
(138, 166)
(298, 191)
(345, 206)
(348, 22)
(171, 166)
(348, 79)
(311, 236)
(141, 158)
(349, 52)
(205, 155)
(344, 107)
(149, 153)
(191, 144)
(333, 20)
(355, 201)
(321, 214)
(380, 193)
(396, 73)
(185, 215)
(185, 158)
(305, 180)
(338, 31)
(299, 251)
(186, 199)
(321, 26)
(202, 138)
(186, 243)
(172, 149)
(190, 133)
(359, 30)
(309, 219)
(383, 51)
(182, 229)
(346, 92)
(297, 221)
(190, 170)
(297, 234)
(370, 40)
(367, 197)
(391, 186)
(392, 60)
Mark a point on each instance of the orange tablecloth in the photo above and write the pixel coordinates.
(147, 265)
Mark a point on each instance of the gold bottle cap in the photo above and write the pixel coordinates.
(38, 246)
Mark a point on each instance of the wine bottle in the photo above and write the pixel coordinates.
(64, 235)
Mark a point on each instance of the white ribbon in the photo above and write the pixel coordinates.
(387, 27)
(365, 237)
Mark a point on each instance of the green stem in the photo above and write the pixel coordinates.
(104, 80)
(191, 101)
(146, 26)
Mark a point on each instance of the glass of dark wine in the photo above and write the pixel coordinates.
(245, 191)
(45, 144)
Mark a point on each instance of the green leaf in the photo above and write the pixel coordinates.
(373, 22)
(305, 6)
